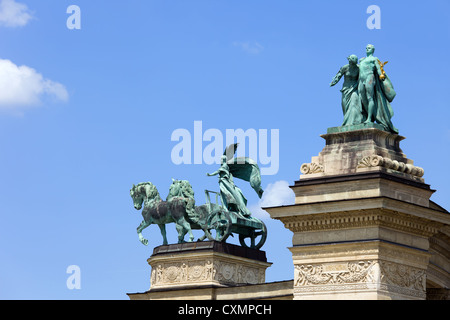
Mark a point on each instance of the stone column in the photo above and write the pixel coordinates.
(362, 221)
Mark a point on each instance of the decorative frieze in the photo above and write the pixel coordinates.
(402, 276)
(205, 271)
(208, 263)
(364, 275)
(334, 273)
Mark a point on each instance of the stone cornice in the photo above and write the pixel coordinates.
(361, 219)
(360, 176)
(355, 207)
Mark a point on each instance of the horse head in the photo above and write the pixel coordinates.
(143, 191)
(180, 188)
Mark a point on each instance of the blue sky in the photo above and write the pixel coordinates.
(87, 113)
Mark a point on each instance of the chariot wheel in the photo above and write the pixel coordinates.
(257, 238)
(221, 223)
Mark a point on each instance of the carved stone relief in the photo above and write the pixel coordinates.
(309, 168)
(402, 276)
(334, 273)
(388, 276)
(201, 271)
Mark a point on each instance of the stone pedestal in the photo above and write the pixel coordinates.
(363, 222)
(194, 270)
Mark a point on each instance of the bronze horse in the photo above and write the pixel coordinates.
(157, 211)
(178, 208)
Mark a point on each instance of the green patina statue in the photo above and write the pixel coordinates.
(242, 168)
(367, 92)
(229, 216)
(351, 103)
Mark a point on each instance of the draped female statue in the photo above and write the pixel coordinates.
(351, 103)
(243, 168)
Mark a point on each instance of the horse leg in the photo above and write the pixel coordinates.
(183, 227)
(186, 228)
(191, 235)
(181, 232)
(162, 227)
(144, 224)
(202, 237)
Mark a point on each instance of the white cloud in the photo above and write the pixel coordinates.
(276, 194)
(14, 14)
(249, 47)
(22, 86)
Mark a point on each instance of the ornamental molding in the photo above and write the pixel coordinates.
(379, 161)
(360, 219)
(310, 168)
(333, 251)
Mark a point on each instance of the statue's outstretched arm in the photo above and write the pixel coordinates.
(213, 174)
(337, 77)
